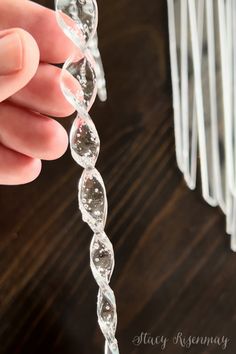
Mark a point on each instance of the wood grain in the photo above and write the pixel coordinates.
(174, 270)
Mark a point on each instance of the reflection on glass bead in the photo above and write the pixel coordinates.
(92, 199)
(78, 19)
(107, 311)
(102, 256)
(84, 142)
(80, 92)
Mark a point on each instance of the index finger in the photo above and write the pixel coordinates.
(41, 23)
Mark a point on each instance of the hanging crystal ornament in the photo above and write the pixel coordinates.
(203, 66)
(78, 20)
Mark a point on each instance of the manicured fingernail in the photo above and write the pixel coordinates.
(10, 53)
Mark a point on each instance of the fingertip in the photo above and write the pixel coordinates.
(31, 54)
(44, 94)
(26, 51)
(55, 140)
(58, 106)
(65, 110)
(16, 168)
(32, 134)
(30, 170)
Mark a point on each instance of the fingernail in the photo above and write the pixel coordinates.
(10, 53)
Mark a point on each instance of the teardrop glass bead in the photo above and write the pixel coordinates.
(78, 19)
(84, 142)
(102, 256)
(78, 82)
(92, 199)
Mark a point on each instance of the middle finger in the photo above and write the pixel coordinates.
(43, 93)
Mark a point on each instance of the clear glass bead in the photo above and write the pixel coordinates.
(84, 142)
(81, 91)
(92, 199)
(102, 256)
(107, 318)
(101, 82)
(78, 19)
(107, 311)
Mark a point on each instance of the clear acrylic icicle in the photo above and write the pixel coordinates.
(78, 20)
(203, 65)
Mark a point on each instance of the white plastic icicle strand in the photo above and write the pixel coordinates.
(203, 66)
(82, 76)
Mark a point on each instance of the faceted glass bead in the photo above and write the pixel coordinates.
(81, 91)
(78, 19)
(84, 142)
(92, 199)
(102, 256)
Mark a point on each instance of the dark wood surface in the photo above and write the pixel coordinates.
(174, 270)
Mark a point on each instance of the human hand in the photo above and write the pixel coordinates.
(30, 39)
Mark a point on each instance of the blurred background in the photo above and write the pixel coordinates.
(174, 269)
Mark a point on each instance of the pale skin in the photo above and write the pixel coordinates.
(30, 42)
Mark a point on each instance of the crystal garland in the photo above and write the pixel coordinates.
(78, 19)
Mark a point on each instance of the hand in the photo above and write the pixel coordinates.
(30, 39)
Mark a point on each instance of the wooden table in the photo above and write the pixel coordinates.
(174, 270)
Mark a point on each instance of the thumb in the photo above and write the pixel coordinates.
(19, 59)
